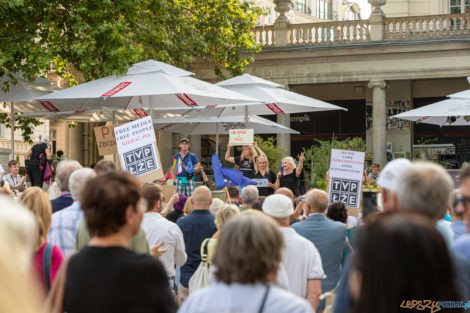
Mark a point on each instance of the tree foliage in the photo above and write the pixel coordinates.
(25, 124)
(317, 158)
(104, 37)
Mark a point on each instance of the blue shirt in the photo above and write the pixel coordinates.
(189, 156)
(462, 246)
(196, 226)
(64, 225)
(62, 201)
(459, 229)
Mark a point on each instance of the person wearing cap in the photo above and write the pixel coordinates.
(184, 169)
(388, 182)
(300, 257)
(328, 236)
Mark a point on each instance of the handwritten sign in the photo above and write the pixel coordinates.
(106, 140)
(137, 147)
(241, 137)
(346, 171)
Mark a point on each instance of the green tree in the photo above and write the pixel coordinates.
(102, 37)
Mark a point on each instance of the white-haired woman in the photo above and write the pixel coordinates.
(246, 161)
(289, 176)
(35, 161)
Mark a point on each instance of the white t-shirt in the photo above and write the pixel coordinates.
(158, 229)
(301, 261)
(237, 298)
(1, 169)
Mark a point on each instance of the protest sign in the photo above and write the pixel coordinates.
(240, 137)
(346, 172)
(106, 140)
(137, 147)
(261, 182)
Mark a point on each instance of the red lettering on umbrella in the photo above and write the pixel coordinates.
(273, 107)
(422, 119)
(116, 89)
(49, 106)
(187, 100)
(140, 113)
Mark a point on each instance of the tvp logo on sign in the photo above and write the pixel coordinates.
(141, 160)
(346, 191)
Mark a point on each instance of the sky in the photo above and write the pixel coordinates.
(365, 8)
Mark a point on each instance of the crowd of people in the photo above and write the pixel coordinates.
(106, 242)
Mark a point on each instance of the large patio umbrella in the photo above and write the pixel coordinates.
(209, 125)
(20, 95)
(147, 85)
(90, 116)
(449, 112)
(274, 99)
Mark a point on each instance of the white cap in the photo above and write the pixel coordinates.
(389, 175)
(278, 205)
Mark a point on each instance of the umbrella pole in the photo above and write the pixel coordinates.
(12, 124)
(246, 117)
(114, 123)
(217, 138)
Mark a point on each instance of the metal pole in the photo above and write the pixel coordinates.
(114, 123)
(246, 116)
(12, 124)
(217, 138)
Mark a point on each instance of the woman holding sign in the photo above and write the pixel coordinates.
(289, 177)
(246, 161)
(264, 177)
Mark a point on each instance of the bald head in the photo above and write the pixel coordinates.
(317, 200)
(201, 198)
(286, 192)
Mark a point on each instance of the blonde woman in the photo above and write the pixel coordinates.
(246, 161)
(221, 217)
(18, 292)
(47, 258)
(265, 175)
(289, 176)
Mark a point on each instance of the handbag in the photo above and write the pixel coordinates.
(200, 278)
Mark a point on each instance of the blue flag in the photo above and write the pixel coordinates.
(228, 176)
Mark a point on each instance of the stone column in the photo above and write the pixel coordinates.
(76, 143)
(165, 148)
(283, 140)
(377, 21)
(281, 25)
(379, 121)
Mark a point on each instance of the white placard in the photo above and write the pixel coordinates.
(261, 182)
(136, 144)
(346, 172)
(241, 137)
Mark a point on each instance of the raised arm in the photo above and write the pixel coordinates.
(299, 168)
(260, 152)
(277, 184)
(227, 154)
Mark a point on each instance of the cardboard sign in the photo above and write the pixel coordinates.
(168, 191)
(137, 147)
(346, 171)
(241, 137)
(106, 140)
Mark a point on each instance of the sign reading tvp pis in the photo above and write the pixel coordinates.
(346, 171)
(136, 145)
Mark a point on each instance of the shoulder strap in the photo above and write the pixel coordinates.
(261, 308)
(46, 265)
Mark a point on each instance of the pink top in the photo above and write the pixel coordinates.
(56, 259)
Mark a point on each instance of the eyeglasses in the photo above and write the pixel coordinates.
(461, 199)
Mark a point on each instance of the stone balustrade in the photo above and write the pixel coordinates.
(265, 35)
(329, 32)
(340, 32)
(427, 27)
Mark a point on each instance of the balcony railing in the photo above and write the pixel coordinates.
(427, 27)
(396, 28)
(329, 32)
